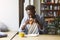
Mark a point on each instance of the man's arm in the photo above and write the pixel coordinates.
(39, 21)
(23, 24)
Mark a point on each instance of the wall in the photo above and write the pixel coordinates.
(9, 13)
(37, 6)
(36, 3)
(25, 5)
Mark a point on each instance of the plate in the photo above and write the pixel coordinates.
(32, 35)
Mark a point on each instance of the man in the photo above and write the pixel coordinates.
(30, 9)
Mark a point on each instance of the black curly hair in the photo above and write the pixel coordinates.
(30, 7)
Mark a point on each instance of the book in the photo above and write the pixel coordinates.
(42, 1)
(52, 1)
(48, 0)
(56, 1)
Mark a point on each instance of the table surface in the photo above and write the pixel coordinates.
(40, 37)
(10, 35)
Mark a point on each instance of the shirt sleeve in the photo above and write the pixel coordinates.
(22, 23)
(40, 19)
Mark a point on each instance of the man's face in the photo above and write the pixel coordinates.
(31, 12)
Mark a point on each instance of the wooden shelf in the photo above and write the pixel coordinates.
(51, 10)
(58, 4)
(50, 17)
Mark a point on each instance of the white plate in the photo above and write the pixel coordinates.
(32, 35)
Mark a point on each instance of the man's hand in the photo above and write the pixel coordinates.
(26, 22)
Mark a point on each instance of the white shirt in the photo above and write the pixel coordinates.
(24, 20)
(32, 28)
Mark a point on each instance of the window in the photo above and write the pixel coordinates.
(27, 2)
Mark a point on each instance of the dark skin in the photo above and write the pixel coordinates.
(32, 13)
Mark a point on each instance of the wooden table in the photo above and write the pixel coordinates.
(40, 37)
(10, 34)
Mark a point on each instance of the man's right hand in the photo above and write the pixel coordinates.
(26, 22)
